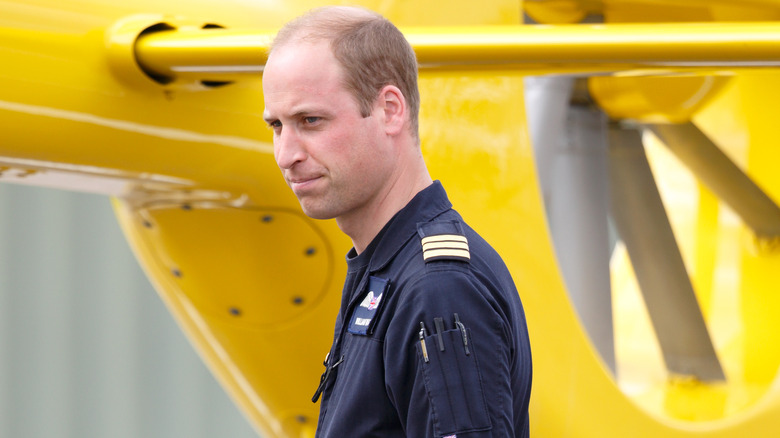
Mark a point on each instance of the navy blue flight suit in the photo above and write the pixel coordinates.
(431, 338)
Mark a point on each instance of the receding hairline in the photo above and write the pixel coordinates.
(313, 26)
(369, 48)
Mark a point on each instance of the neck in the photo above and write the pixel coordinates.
(363, 225)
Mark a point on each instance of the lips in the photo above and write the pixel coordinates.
(300, 185)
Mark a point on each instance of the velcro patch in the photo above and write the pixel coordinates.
(363, 317)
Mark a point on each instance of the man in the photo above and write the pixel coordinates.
(430, 340)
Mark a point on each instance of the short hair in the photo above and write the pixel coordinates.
(371, 50)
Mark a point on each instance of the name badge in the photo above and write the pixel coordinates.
(362, 321)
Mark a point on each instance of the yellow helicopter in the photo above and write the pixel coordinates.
(619, 154)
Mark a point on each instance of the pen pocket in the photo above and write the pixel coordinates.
(453, 383)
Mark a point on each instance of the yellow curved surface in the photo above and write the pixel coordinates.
(173, 51)
(256, 285)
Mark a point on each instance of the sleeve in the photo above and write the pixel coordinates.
(447, 359)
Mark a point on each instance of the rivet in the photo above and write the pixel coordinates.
(186, 207)
(176, 272)
(235, 311)
(267, 218)
(310, 251)
(301, 419)
(297, 300)
(147, 224)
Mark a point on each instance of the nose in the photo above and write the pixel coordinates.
(288, 149)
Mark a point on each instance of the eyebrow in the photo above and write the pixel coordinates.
(300, 113)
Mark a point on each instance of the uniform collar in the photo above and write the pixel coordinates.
(426, 205)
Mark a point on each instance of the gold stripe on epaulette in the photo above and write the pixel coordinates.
(444, 238)
(445, 245)
(440, 245)
(460, 253)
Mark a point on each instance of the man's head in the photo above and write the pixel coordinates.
(371, 51)
(344, 128)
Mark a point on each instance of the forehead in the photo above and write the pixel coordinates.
(300, 70)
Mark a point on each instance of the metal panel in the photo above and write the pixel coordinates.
(87, 349)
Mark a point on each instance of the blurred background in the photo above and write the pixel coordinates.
(87, 348)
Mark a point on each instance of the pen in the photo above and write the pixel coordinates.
(422, 342)
(463, 333)
(439, 323)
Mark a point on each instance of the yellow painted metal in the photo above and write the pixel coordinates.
(192, 170)
(638, 98)
(560, 11)
(255, 284)
(203, 53)
(733, 273)
(649, 11)
(255, 297)
(690, 10)
(226, 54)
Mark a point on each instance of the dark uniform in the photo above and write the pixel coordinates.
(431, 339)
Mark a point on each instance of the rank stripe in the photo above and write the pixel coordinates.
(460, 253)
(439, 245)
(444, 238)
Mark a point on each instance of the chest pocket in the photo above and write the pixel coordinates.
(365, 314)
(453, 383)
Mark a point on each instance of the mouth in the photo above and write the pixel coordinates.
(300, 186)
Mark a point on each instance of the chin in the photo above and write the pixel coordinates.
(317, 213)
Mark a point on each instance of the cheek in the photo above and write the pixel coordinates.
(354, 149)
(344, 146)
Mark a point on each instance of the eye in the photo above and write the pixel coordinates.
(275, 125)
(310, 120)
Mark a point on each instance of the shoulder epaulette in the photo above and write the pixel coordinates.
(443, 240)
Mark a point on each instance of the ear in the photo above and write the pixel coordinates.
(393, 107)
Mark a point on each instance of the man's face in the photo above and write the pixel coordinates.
(334, 159)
